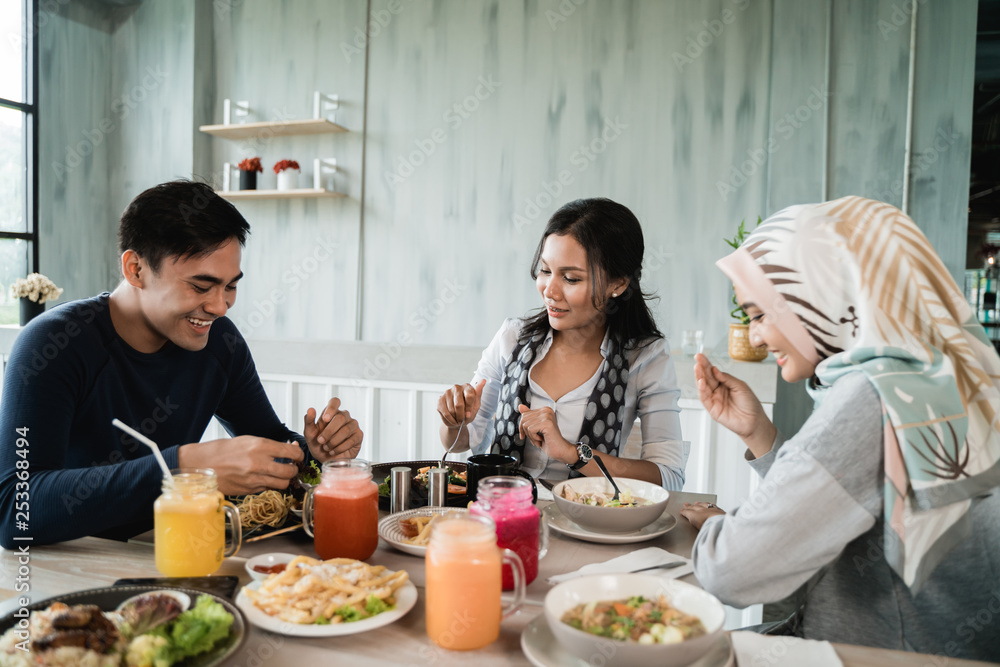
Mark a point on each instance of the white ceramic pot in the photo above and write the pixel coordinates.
(288, 179)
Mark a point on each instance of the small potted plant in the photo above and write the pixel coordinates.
(739, 332)
(33, 292)
(249, 167)
(288, 174)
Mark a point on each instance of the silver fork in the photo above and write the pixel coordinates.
(457, 437)
(662, 566)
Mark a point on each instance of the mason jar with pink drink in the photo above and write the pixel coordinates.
(507, 500)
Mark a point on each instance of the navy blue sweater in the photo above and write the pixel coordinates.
(68, 375)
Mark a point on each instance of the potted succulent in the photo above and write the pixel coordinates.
(249, 167)
(288, 174)
(739, 332)
(33, 292)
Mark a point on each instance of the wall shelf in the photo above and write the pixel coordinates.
(286, 128)
(300, 193)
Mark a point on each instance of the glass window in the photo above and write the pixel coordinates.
(13, 171)
(18, 171)
(15, 257)
(12, 50)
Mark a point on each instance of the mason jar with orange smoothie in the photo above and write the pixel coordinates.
(189, 520)
(463, 571)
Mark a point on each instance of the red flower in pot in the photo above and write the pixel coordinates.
(248, 172)
(288, 176)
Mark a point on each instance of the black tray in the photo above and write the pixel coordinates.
(107, 599)
(418, 496)
(218, 586)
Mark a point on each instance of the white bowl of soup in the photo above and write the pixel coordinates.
(671, 623)
(586, 501)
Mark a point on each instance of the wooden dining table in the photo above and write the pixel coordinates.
(93, 562)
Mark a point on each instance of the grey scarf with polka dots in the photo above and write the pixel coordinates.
(602, 418)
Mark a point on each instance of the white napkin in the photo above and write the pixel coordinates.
(630, 562)
(752, 648)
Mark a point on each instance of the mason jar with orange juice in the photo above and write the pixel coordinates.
(463, 571)
(189, 520)
(341, 514)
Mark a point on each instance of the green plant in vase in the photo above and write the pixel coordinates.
(739, 333)
(737, 313)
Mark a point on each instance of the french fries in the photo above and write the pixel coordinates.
(310, 590)
(422, 526)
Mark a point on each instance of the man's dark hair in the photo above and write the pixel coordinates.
(179, 219)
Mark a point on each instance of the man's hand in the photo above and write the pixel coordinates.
(244, 464)
(335, 436)
(539, 427)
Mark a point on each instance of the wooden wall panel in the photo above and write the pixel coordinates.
(301, 260)
(598, 101)
(942, 127)
(152, 96)
(868, 96)
(800, 103)
(76, 221)
(483, 116)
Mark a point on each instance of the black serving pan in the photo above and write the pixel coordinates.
(108, 599)
(418, 495)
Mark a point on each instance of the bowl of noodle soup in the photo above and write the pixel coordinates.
(582, 598)
(583, 501)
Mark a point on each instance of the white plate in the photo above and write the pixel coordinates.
(558, 522)
(406, 597)
(388, 528)
(542, 649)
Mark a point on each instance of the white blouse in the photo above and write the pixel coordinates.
(651, 395)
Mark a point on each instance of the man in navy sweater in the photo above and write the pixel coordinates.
(159, 354)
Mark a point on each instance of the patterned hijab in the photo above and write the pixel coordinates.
(855, 286)
(602, 419)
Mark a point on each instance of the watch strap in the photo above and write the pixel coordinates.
(580, 461)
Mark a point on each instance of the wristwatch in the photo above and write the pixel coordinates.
(584, 454)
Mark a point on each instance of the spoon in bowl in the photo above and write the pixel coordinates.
(617, 496)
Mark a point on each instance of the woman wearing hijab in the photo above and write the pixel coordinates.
(884, 508)
(555, 388)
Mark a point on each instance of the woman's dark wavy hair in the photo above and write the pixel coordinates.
(612, 237)
(179, 219)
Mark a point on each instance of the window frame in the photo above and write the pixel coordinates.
(30, 110)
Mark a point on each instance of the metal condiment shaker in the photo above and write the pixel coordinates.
(437, 488)
(399, 489)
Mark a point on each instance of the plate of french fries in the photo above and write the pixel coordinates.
(317, 598)
(411, 531)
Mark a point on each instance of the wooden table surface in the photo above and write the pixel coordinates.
(92, 563)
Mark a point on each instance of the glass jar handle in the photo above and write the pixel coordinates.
(236, 531)
(517, 567)
(534, 486)
(543, 536)
(307, 512)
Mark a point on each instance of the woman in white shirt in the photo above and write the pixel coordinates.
(555, 388)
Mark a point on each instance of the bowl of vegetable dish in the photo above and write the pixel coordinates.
(634, 619)
(587, 502)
